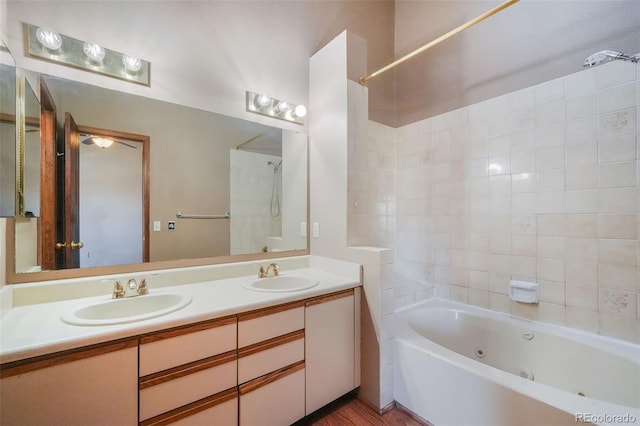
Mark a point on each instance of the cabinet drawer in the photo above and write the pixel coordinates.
(171, 348)
(274, 400)
(170, 389)
(265, 324)
(219, 409)
(271, 355)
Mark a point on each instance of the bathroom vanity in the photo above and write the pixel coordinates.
(232, 356)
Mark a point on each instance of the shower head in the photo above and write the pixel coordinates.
(609, 55)
(276, 167)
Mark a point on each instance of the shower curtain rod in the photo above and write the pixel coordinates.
(363, 80)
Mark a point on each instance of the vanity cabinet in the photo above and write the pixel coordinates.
(271, 365)
(188, 375)
(331, 347)
(94, 385)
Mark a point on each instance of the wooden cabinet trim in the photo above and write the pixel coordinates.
(271, 377)
(271, 343)
(329, 297)
(184, 370)
(57, 358)
(186, 329)
(270, 310)
(191, 409)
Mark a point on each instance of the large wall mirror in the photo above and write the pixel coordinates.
(7, 132)
(156, 185)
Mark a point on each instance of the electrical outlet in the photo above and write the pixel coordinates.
(316, 230)
(171, 225)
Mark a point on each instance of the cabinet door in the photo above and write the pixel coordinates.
(330, 348)
(92, 386)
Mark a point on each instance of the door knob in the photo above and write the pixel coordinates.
(77, 245)
(60, 246)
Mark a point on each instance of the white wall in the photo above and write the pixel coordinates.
(294, 190)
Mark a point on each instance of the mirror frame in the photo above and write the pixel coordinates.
(60, 274)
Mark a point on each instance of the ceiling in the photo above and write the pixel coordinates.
(205, 54)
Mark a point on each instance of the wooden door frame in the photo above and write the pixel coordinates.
(146, 142)
(48, 180)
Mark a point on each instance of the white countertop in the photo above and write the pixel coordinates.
(33, 330)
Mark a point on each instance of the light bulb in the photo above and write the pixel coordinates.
(282, 107)
(300, 111)
(102, 142)
(49, 39)
(94, 51)
(131, 63)
(262, 101)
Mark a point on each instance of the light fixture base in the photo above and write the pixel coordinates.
(259, 103)
(96, 59)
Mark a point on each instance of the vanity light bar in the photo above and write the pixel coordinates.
(271, 107)
(47, 44)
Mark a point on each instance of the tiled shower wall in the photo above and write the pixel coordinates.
(541, 184)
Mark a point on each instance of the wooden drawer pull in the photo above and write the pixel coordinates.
(187, 329)
(330, 297)
(185, 370)
(63, 357)
(191, 409)
(269, 311)
(271, 377)
(271, 343)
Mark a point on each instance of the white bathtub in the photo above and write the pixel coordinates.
(458, 365)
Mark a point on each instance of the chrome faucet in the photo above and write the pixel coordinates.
(273, 270)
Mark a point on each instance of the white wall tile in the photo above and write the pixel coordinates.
(582, 274)
(582, 131)
(581, 83)
(615, 73)
(617, 98)
(550, 91)
(582, 107)
(617, 175)
(582, 177)
(617, 124)
(583, 154)
(617, 226)
(619, 149)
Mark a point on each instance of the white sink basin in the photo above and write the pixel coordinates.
(130, 309)
(281, 283)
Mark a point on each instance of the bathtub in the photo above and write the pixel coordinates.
(459, 365)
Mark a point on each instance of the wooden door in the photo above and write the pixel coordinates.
(71, 193)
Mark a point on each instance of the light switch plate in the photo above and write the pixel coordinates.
(316, 230)
(157, 226)
(303, 229)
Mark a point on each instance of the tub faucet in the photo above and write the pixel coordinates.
(273, 270)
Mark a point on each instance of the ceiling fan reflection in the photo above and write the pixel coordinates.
(102, 142)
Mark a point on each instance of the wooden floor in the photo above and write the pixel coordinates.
(350, 411)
